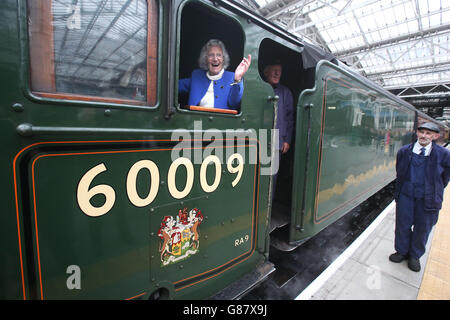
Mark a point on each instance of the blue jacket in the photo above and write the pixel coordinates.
(437, 174)
(227, 96)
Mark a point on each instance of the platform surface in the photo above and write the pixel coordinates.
(364, 272)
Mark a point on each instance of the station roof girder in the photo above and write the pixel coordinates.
(400, 44)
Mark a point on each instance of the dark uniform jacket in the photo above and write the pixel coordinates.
(285, 115)
(437, 174)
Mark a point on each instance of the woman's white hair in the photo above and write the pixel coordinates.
(203, 58)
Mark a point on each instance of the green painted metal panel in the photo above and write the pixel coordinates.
(111, 232)
(52, 145)
(355, 132)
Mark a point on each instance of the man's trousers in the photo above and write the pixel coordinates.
(412, 226)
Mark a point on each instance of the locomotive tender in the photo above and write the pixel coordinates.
(113, 189)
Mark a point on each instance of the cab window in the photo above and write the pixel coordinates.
(199, 24)
(104, 50)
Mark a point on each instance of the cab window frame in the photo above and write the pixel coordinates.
(236, 53)
(39, 68)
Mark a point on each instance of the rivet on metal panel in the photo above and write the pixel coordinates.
(24, 129)
(18, 107)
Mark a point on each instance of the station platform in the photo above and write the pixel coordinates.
(363, 271)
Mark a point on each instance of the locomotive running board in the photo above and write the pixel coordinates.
(279, 239)
(246, 283)
(284, 246)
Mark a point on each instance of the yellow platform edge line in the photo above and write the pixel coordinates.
(436, 279)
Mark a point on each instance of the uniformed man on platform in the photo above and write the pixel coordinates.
(423, 171)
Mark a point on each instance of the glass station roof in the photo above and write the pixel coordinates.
(396, 43)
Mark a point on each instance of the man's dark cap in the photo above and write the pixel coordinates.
(430, 126)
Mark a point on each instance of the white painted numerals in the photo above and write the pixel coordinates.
(85, 193)
(204, 183)
(238, 169)
(131, 183)
(177, 194)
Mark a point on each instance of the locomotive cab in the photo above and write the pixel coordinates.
(198, 24)
(296, 78)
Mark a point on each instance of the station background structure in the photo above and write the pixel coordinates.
(403, 45)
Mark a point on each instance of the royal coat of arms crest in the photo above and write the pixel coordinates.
(179, 236)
